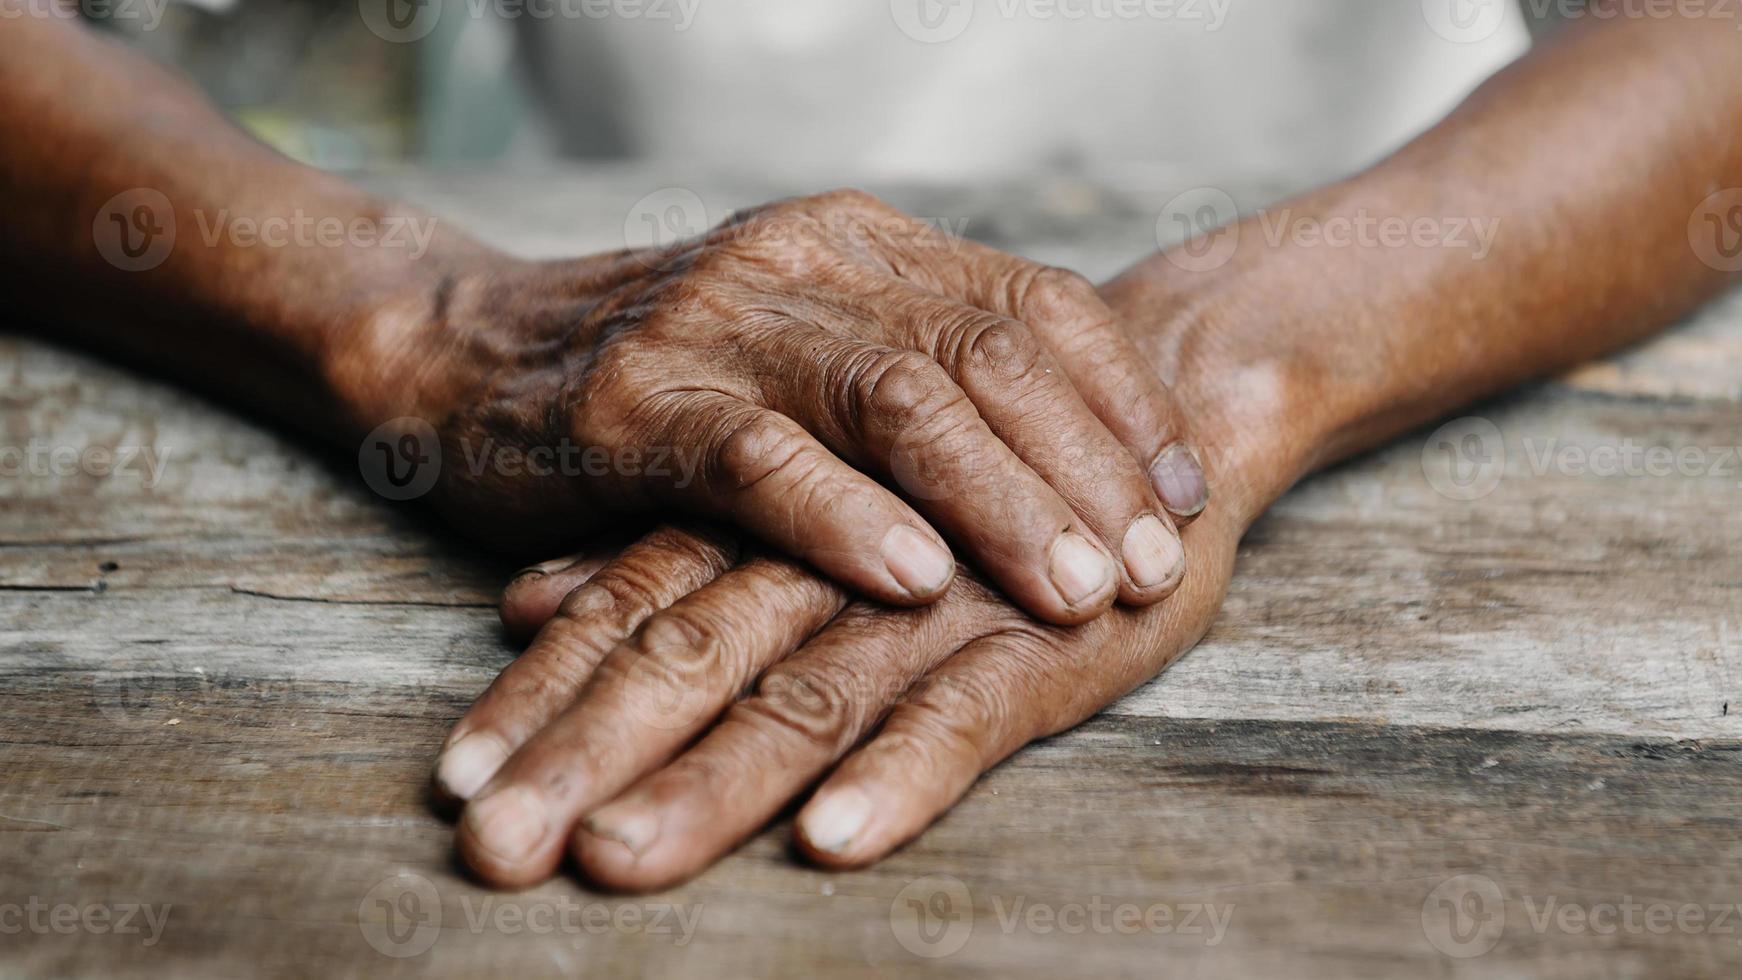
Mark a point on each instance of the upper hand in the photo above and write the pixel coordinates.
(780, 365)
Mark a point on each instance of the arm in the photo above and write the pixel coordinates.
(1595, 160)
(607, 740)
(766, 373)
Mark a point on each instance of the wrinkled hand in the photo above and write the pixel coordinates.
(622, 736)
(680, 694)
(771, 372)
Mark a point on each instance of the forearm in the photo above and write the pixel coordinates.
(1587, 160)
(271, 266)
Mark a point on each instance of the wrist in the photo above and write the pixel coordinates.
(1241, 349)
(406, 343)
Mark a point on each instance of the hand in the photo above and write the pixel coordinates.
(767, 373)
(621, 735)
(643, 656)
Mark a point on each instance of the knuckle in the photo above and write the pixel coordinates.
(757, 449)
(1001, 349)
(815, 701)
(903, 384)
(933, 742)
(613, 596)
(709, 552)
(1054, 296)
(684, 638)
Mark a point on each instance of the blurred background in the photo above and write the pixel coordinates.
(312, 79)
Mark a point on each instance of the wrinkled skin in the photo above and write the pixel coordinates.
(771, 371)
(624, 736)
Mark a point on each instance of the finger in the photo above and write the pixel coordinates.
(1030, 403)
(962, 720)
(900, 414)
(650, 575)
(532, 597)
(647, 699)
(764, 472)
(807, 711)
(1068, 315)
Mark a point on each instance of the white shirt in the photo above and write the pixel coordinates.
(986, 88)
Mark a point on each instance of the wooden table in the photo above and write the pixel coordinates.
(1429, 736)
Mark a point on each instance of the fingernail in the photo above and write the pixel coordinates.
(1179, 480)
(922, 566)
(630, 824)
(551, 567)
(1153, 554)
(1079, 569)
(469, 763)
(831, 823)
(509, 825)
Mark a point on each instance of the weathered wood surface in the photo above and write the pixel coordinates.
(221, 694)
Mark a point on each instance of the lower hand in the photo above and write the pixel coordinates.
(620, 736)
